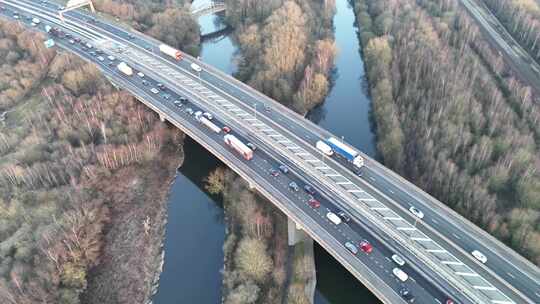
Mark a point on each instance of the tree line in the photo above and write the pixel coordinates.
(451, 116)
(286, 48)
(68, 138)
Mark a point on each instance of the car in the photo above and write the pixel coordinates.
(141, 74)
(15, 16)
(88, 45)
(183, 99)
(479, 256)
(166, 96)
(344, 216)
(77, 39)
(398, 260)
(251, 146)
(130, 36)
(450, 301)
(267, 108)
(93, 53)
(71, 41)
(196, 67)
(274, 172)
(284, 169)
(314, 203)
(110, 63)
(407, 295)
(352, 248)
(226, 130)
(189, 111)
(100, 58)
(419, 214)
(209, 116)
(366, 246)
(144, 82)
(69, 36)
(294, 186)
(333, 218)
(154, 90)
(161, 86)
(309, 189)
(111, 58)
(97, 51)
(60, 8)
(177, 102)
(400, 274)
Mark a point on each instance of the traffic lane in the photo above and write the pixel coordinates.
(465, 258)
(496, 262)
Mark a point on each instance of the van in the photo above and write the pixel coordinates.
(196, 67)
(333, 218)
(400, 274)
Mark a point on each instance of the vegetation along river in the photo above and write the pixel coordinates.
(195, 228)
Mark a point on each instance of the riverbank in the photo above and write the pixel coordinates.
(81, 202)
(259, 266)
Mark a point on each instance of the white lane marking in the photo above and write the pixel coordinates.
(302, 154)
(392, 218)
(467, 274)
(484, 287)
(434, 221)
(312, 160)
(437, 300)
(379, 208)
(390, 190)
(372, 178)
(501, 302)
(419, 239)
(322, 168)
(282, 141)
(436, 250)
(456, 236)
(369, 199)
(331, 175)
(511, 275)
(452, 263)
(293, 147)
(406, 228)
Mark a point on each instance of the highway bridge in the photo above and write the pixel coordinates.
(211, 7)
(436, 248)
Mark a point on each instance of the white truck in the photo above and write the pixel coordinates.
(212, 126)
(238, 145)
(170, 51)
(124, 68)
(324, 148)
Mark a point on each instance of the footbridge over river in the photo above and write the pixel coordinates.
(375, 203)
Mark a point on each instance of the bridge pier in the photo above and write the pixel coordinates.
(295, 233)
(162, 118)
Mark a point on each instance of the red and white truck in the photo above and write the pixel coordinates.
(239, 146)
(167, 50)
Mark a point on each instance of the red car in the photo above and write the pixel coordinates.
(365, 246)
(314, 203)
(226, 129)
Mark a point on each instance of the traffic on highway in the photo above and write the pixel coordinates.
(180, 87)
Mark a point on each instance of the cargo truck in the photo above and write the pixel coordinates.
(124, 68)
(346, 151)
(170, 51)
(324, 148)
(239, 146)
(210, 124)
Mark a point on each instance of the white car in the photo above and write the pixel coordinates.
(111, 58)
(419, 214)
(208, 115)
(479, 256)
(333, 218)
(400, 274)
(154, 90)
(352, 248)
(140, 74)
(396, 258)
(196, 67)
(100, 58)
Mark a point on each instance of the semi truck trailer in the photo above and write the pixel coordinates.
(170, 51)
(124, 68)
(239, 146)
(324, 148)
(346, 151)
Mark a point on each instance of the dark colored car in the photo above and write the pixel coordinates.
(226, 130)
(309, 189)
(344, 216)
(407, 295)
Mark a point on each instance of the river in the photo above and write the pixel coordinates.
(195, 229)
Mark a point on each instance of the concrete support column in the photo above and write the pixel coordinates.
(296, 234)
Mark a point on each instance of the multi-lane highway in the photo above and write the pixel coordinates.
(436, 248)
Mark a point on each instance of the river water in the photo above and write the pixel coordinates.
(195, 229)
